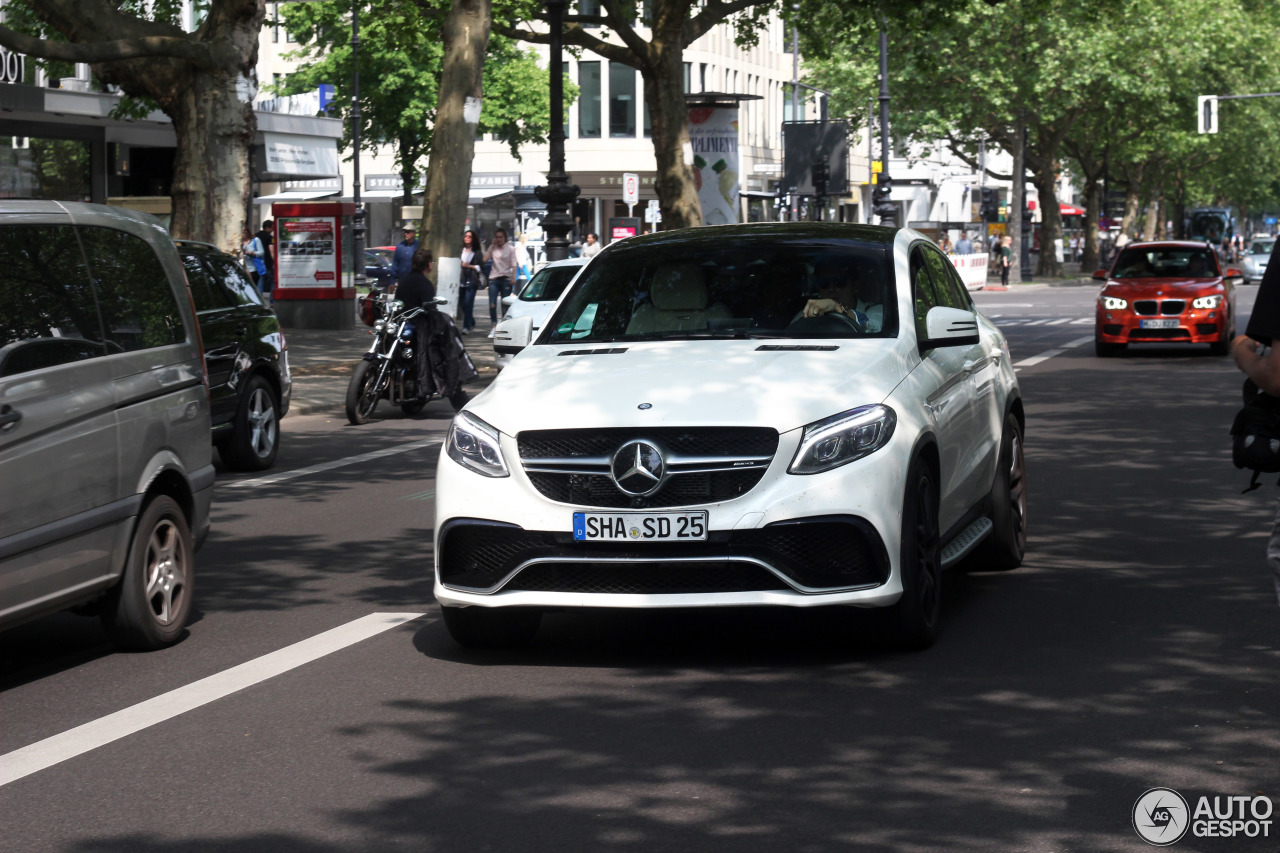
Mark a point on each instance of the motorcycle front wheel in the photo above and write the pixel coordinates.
(363, 392)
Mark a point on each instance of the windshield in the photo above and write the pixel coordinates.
(1183, 261)
(1261, 247)
(1206, 225)
(548, 283)
(734, 287)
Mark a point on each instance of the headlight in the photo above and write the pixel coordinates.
(1214, 301)
(1114, 303)
(395, 306)
(474, 444)
(379, 325)
(842, 438)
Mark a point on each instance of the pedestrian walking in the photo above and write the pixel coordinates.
(1074, 245)
(1006, 259)
(503, 258)
(592, 248)
(267, 237)
(402, 259)
(253, 251)
(471, 279)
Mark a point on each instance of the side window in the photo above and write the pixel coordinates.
(48, 315)
(233, 280)
(924, 292)
(951, 293)
(138, 307)
(207, 295)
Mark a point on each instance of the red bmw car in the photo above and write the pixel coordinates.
(1166, 292)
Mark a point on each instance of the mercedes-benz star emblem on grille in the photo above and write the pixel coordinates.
(637, 468)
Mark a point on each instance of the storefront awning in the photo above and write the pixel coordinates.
(306, 195)
(1070, 210)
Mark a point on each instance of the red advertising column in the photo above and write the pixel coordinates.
(313, 286)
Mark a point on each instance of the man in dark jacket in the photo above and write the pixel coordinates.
(402, 260)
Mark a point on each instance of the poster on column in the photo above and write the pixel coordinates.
(307, 255)
(713, 135)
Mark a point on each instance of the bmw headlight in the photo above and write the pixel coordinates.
(842, 438)
(1114, 303)
(1214, 301)
(474, 444)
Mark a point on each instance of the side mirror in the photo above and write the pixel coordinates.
(950, 327)
(1101, 275)
(512, 335)
(1235, 275)
(509, 300)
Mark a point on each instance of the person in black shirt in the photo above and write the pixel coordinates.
(267, 235)
(415, 290)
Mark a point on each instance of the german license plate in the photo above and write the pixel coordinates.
(640, 526)
(1159, 324)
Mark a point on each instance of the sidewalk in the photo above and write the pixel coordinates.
(321, 362)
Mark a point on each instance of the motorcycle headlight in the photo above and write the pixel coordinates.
(474, 444)
(842, 438)
(379, 325)
(395, 306)
(1214, 301)
(1114, 303)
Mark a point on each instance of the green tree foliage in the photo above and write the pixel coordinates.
(401, 53)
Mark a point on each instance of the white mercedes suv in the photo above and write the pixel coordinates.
(790, 414)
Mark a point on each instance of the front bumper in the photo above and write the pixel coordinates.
(797, 541)
(1193, 325)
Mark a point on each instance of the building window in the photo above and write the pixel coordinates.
(564, 70)
(589, 7)
(688, 76)
(647, 125)
(275, 23)
(589, 100)
(702, 76)
(622, 100)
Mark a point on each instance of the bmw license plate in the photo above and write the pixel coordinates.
(640, 526)
(1159, 324)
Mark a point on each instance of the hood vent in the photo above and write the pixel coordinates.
(605, 351)
(797, 348)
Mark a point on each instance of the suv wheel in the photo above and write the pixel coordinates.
(149, 607)
(915, 616)
(255, 431)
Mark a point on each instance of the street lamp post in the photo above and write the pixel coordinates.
(559, 192)
(885, 210)
(357, 218)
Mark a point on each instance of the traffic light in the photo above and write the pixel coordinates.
(1026, 216)
(821, 177)
(880, 203)
(990, 209)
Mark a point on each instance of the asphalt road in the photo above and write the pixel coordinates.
(1138, 647)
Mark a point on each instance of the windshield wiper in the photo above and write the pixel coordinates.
(712, 335)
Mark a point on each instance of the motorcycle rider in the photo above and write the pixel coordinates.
(415, 290)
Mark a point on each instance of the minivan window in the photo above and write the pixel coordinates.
(139, 310)
(48, 315)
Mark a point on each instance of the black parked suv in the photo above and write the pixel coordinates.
(245, 351)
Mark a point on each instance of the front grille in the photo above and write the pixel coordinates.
(825, 553)
(742, 453)
(1145, 307)
(1173, 306)
(1160, 334)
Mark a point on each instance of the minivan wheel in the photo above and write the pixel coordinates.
(255, 431)
(491, 627)
(149, 607)
(914, 619)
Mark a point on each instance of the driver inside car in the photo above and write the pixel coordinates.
(854, 297)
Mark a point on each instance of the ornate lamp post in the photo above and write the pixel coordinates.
(885, 209)
(357, 218)
(559, 192)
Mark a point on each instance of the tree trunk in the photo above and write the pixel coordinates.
(1050, 223)
(1153, 229)
(1017, 200)
(466, 38)
(1091, 259)
(1132, 198)
(669, 120)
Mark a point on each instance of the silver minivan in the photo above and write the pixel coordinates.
(106, 472)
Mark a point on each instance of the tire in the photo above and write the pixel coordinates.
(1222, 346)
(363, 392)
(414, 408)
(1005, 547)
(255, 430)
(1102, 349)
(148, 609)
(914, 619)
(491, 627)
(459, 399)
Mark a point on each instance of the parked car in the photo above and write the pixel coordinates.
(249, 381)
(536, 299)
(785, 414)
(1165, 292)
(1254, 264)
(105, 458)
(377, 269)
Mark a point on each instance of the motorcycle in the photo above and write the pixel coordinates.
(389, 370)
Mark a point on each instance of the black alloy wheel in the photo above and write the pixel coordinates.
(1006, 545)
(915, 616)
(149, 607)
(1222, 346)
(255, 430)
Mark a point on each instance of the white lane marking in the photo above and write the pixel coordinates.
(1048, 354)
(1035, 322)
(1007, 304)
(328, 466)
(102, 731)
(1058, 322)
(1083, 321)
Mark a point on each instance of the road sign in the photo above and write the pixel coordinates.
(1207, 114)
(630, 187)
(653, 213)
(877, 166)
